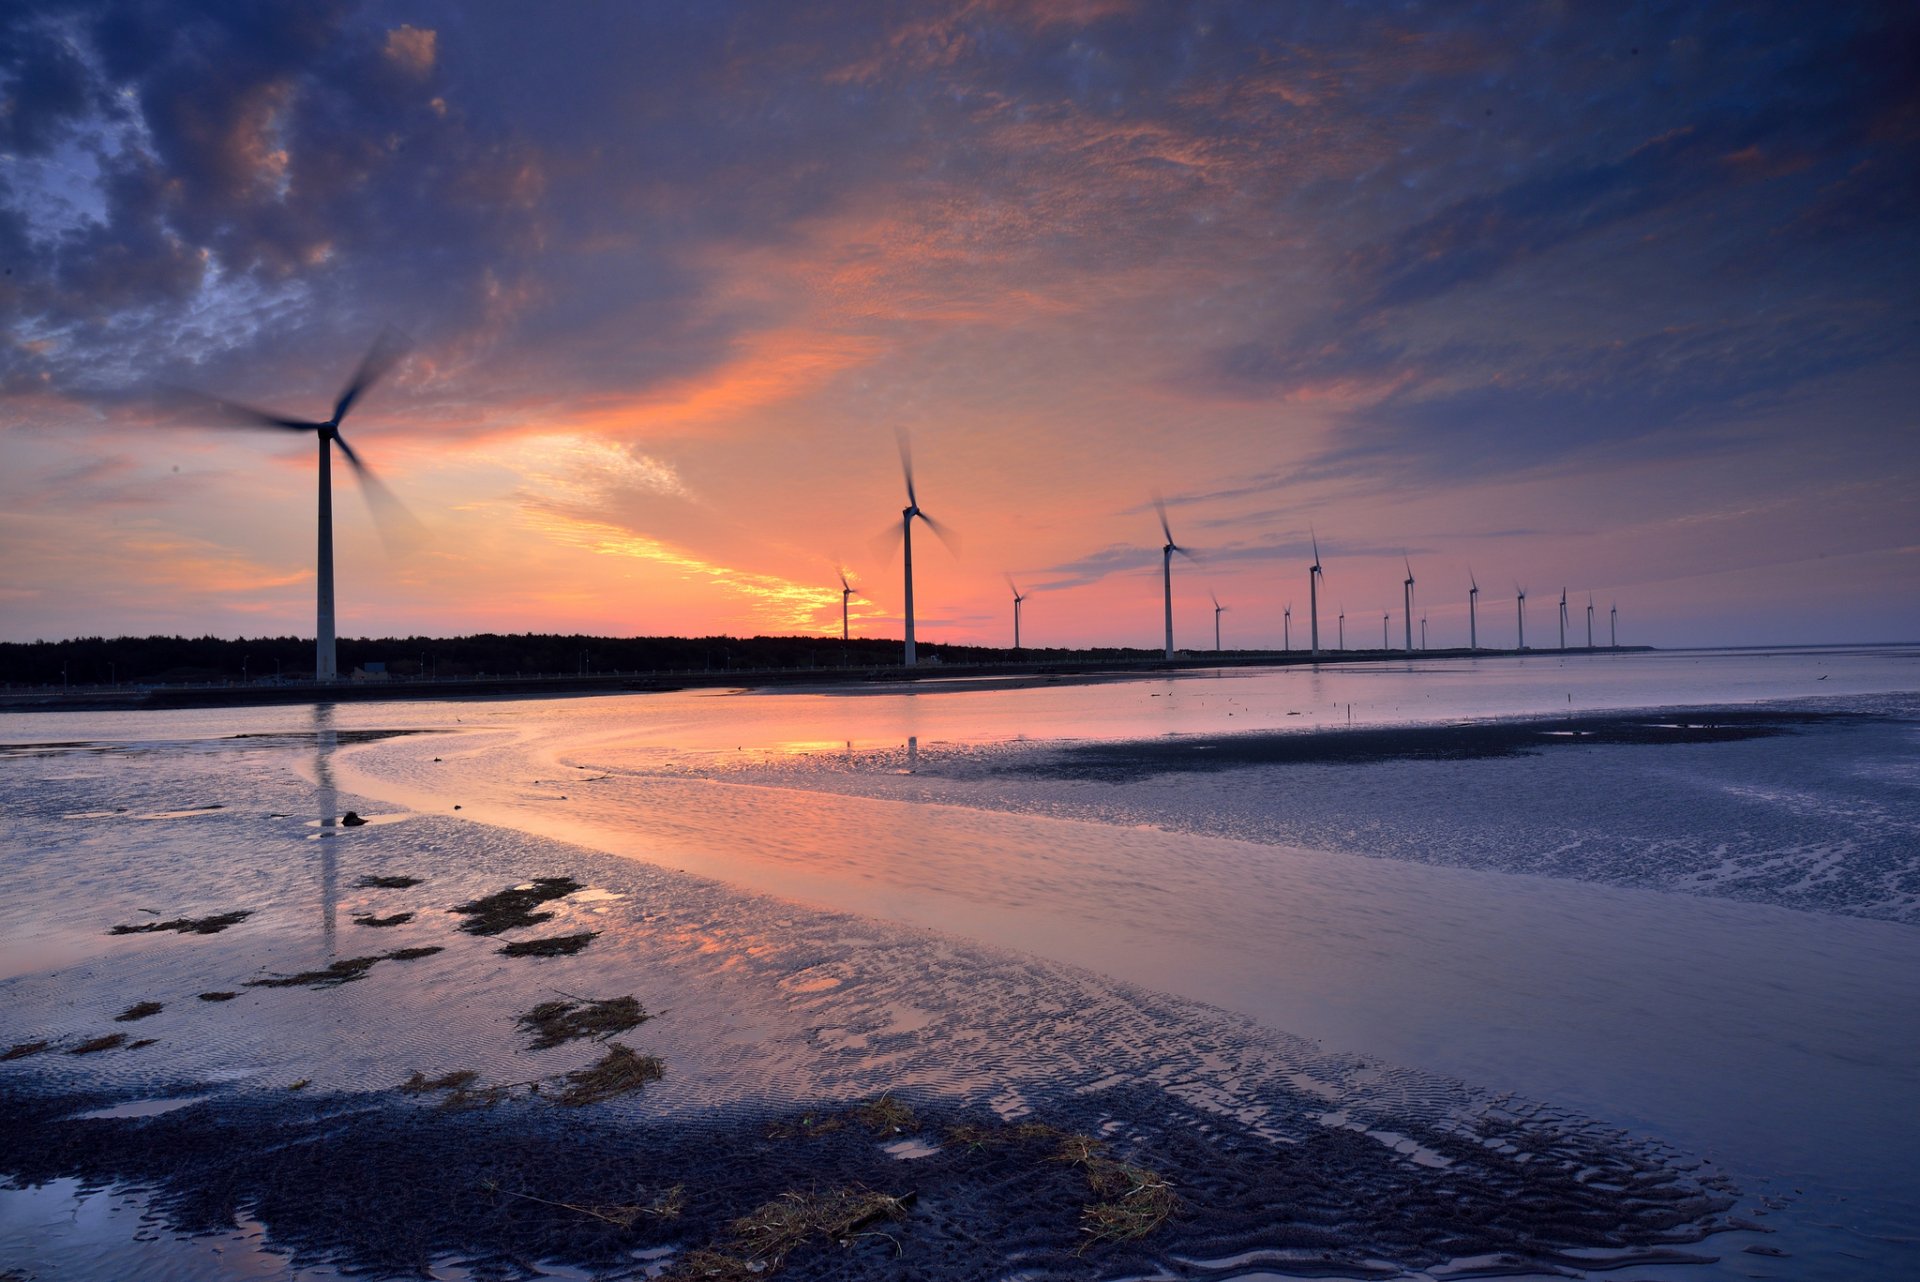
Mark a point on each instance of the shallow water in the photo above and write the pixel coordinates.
(1777, 1041)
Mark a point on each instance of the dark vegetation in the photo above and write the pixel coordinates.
(187, 925)
(557, 1022)
(344, 971)
(139, 1010)
(394, 919)
(552, 946)
(373, 882)
(513, 907)
(89, 661)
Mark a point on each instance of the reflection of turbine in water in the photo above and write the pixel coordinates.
(325, 740)
(913, 754)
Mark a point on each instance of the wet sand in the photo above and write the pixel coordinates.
(1022, 1084)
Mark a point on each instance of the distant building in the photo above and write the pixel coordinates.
(370, 672)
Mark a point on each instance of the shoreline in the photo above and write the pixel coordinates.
(813, 680)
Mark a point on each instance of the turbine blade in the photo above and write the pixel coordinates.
(843, 582)
(906, 465)
(942, 532)
(399, 528)
(1165, 529)
(387, 351)
(887, 541)
(234, 414)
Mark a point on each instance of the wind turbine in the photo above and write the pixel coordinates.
(1166, 568)
(1407, 587)
(1017, 599)
(846, 590)
(1218, 610)
(1520, 606)
(381, 357)
(1314, 575)
(1589, 620)
(1286, 628)
(907, 515)
(1423, 631)
(1473, 612)
(1385, 619)
(1563, 618)
(1343, 629)
(1613, 627)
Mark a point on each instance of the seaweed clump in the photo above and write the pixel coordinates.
(394, 919)
(20, 1050)
(374, 881)
(344, 971)
(552, 946)
(1133, 1200)
(556, 1023)
(513, 907)
(188, 925)
(139, 1010)
(621, 1071)
(98, 1044)
(461, 1087)
(218, 997)
(883, 1115)
(761, 1240)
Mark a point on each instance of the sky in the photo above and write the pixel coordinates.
(1617, 299)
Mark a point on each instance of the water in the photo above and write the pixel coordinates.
(1727, 1020)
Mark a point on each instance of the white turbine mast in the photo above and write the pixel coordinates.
(1166, 567)
(907, 517)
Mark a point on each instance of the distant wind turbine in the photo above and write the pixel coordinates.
(1407, 587)
(1473, 612)
(1423, 631)
(1166, 568)
(1520, 606)
(1286, 628)
(1589, 620)
(907, 515)
(1017, 599)
(846, 590)
(1218, 610)
(1385, 619)
(1563, 618)
(1343, 629)
(1314, 575)
(386, 351)
(1613, 627)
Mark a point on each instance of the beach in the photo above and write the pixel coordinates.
(1008, 985)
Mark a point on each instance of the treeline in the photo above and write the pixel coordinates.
(101, 661)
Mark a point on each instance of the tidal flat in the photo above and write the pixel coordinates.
(741, 1064)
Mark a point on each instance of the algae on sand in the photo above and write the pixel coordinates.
(557, 1022)
(506, 909)
(344, 971)
(552, 946)
(762, 1240)
(621, 1071)
(188, 925)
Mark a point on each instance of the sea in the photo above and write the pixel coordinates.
(1684, 903)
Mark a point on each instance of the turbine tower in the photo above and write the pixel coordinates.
(1520, 607)
(1613, 627)
(1385, 619)
(1166, 568)
(1018, 597)
(1589, 620)
(386, 351)
(1286, 628)
(846, 590)
(1218, 610)
(1473, 612)
(1407, 588)
(1343, 629)
(1563, 618)
(1423, 631)
(1314, 575)
(907, 515)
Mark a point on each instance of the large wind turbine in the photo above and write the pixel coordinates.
(1520, 607)
(381, 357)
(1286, 628)
(1589, 620)
(1218, 610)
(1343, 629)
(907, 515)
(1018, 597)
(1613, 627)
(1386, 619)
(846, 590)
(1473, 612)
(1314, 575)
(1166, 568)
(1563, 618)
(1407, 588)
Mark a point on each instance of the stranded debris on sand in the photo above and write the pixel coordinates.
(139, 1010)
(376, 882)
(761, 1241)
(552, 946)
(513, 907)
(344, 971)
(188, 925)
(555, 1023)
(395, 919)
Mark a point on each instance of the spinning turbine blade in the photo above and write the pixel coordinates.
(906, 466)
(387, 351)
(399, 528)
(235, 414)
(945, 533)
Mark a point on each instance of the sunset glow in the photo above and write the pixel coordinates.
(1620, 302)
